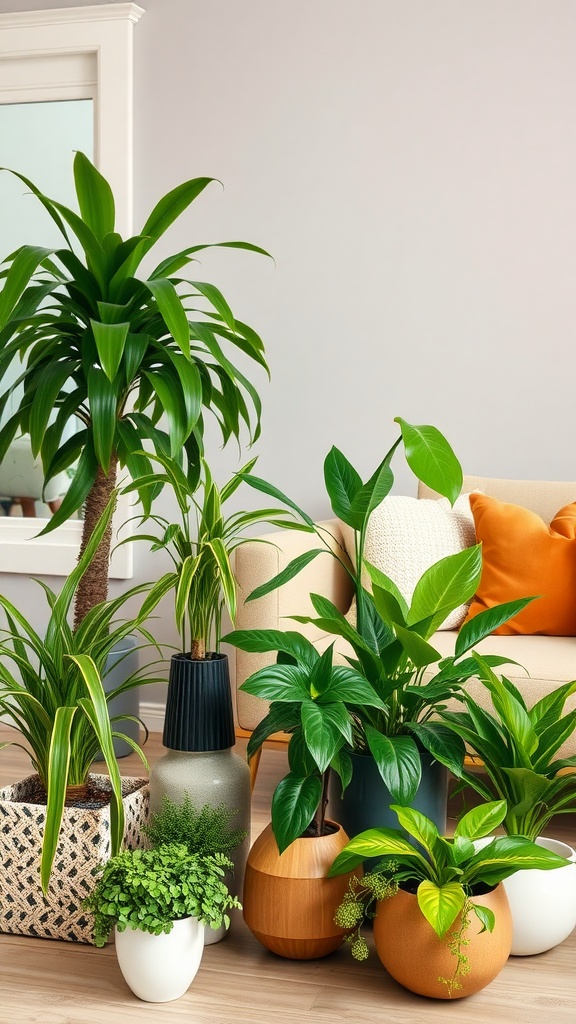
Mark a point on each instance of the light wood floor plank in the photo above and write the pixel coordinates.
(46, 982)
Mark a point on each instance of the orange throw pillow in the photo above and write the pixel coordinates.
(523, 557)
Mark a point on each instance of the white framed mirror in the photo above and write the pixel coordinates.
(65, 84)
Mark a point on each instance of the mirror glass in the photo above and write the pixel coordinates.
(39, 141)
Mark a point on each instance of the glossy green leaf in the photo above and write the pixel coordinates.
(419, 652)
(342, 484)
(260, 641)
(95, 197)
(431, 459)
(110, 341)
(294, 804)
(172, 311)
(481, 820)
(486, 622)
(447, 584)
(440, 904)
(398, 762)
(441, 742)
(278, 683)
(171, 206)
(24, 264)
(58, 766)
(418, 826)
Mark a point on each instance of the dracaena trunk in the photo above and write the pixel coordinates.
(93, 587)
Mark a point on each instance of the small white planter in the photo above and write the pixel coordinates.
(159, 968)
(543, 903)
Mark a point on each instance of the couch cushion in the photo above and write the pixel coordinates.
(523, 557)
(405, 536)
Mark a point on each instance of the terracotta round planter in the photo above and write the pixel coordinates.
(289, 904)
(415, 957)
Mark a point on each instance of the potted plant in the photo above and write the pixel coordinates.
(398, 748)
(288, 903)
(518, 748)
(158, 902)
(51, 692)
(203, 830)
(442, 925)
(199, 724)
(114, 352)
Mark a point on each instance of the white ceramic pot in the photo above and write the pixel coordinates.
(161, 967)
(543, 903)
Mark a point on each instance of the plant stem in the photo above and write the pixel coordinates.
(93, 586)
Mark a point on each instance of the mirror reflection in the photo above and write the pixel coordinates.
(38, 140)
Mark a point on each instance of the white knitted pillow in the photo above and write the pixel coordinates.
(405, 536)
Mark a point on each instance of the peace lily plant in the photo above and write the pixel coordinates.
(134, 360)
(389, 645)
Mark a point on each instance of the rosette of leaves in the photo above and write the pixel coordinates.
(311, 698)
(51, 691)
(518, 747)
(201, 546)
(134, 360)
(150, 889)
(444, 872)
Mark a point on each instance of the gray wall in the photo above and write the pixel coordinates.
(410, 165)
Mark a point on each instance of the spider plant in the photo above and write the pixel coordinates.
(51, 691)
(201, 546)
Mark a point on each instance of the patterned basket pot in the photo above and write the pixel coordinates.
(83, 844)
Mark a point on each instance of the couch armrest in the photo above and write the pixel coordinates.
(256, 563)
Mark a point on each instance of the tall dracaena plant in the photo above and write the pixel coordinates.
(115, 352)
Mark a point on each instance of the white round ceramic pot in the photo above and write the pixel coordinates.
(543, 903)
(159, 968)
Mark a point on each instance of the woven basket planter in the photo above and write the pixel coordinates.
(84, 843)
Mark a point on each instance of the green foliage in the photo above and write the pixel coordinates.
(205, 830)
(519, 749)
(51, 689)
(150, 889)
(313, 700)
(390, 639)
(201, 545)
(445, 871)
(119, 354)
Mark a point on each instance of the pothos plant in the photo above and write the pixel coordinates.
(311, 698)
(134, 360)
(445, 873)
(201, 546)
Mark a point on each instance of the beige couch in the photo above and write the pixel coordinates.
(548, 660)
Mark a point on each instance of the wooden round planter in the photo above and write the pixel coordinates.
(415, 957)
(289, 904)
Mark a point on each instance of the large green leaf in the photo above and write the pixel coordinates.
(95, 197)
(172, 311)
(322, 735)
(261, 641)
(431, 459)
(342, 484)
(482, 820)
(26, 261)
(398, 762)
(58, 766)
(440, 741)
(110, 341)
(418, 826)
(440, 904)
(445, 585)
(294, 804)
(383, 582)
(486, 622)
(504, 856)
(278, 683)
(103, 408)
(379, 842)
(171, 206)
